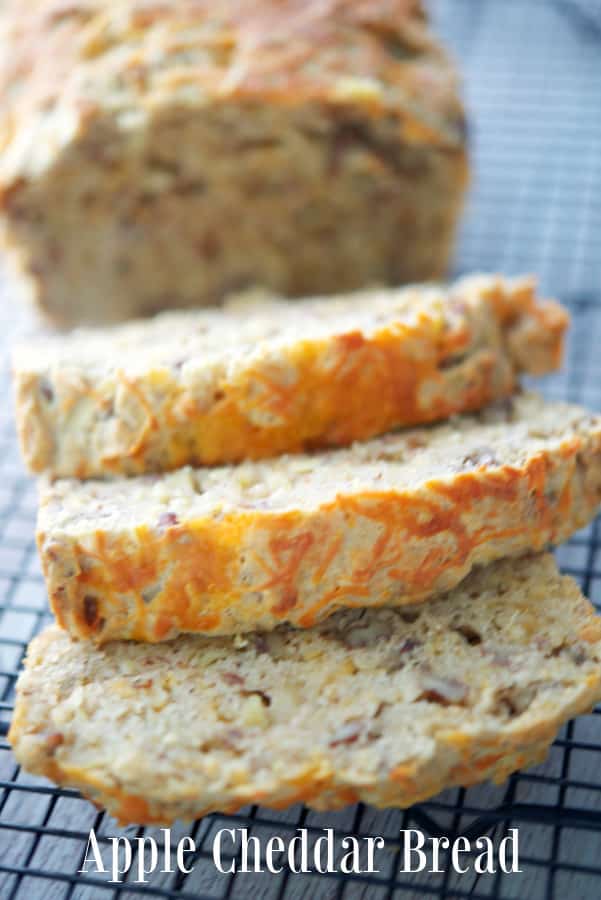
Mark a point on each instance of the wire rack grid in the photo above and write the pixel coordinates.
(533, 87)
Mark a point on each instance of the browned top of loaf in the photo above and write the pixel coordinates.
(124, 56)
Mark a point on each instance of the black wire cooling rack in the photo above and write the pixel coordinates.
(533, 87)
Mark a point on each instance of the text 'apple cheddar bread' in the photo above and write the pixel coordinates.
(385, 706)
(390, 521)
(263, 376)
(160, 155)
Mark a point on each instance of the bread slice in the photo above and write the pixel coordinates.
(159, 155)
(386, 706)
(267, 377)
(393, 521)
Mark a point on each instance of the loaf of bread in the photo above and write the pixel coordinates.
(159, 155)
(387, 706)
(264, 376)
(391, 521)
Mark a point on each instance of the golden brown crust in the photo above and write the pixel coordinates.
(290, 52)
(315, 787)
(392, 521)
(114, 402)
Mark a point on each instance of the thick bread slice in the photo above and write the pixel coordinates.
(386, 706)
(267, 377)
(157, 155)
(393, 520)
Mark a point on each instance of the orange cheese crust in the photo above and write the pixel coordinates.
(457, 353)
(320, 789)
(250, 568)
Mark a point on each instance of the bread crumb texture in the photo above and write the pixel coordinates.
(385, 706)
(264, 376)
(391, 521)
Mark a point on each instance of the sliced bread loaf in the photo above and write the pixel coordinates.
(387, 706)
(264, 377)
(393, 520)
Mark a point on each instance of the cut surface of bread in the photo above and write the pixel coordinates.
(389, 521)
(386, 706)
(263, 376)
(159, 155)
